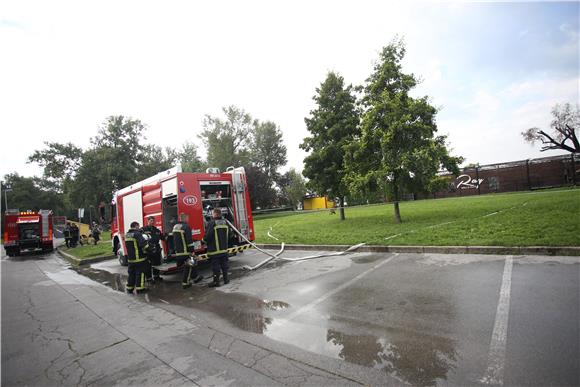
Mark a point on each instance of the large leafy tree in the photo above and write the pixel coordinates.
(268, 154)
(293, 187)
(188, 156)
(398, 149)
(114, 161)
(268, 151)
(29, 193)
(262, 193)
(60, 162)
(226, 140)
(155, 159)
(565, 126)
(332, 125)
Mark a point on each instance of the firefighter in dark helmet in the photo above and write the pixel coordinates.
(217, 235)
(136, 245)
(183, 246)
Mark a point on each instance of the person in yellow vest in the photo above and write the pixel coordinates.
(183, 247)
(217, 236)
(136, 245)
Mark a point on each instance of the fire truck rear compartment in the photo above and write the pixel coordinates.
(169, 206)
(29, 235)
(217, 195)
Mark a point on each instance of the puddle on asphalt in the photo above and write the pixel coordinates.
(112, 280)
(415, 358)
(244, 311)
(366, 258)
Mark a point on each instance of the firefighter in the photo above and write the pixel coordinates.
(216, 238)
(136, 245)
(153, 250)
(183, 245)
(74, 234)
(67, 235)
(96, 233)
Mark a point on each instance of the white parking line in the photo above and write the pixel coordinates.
(322, 298)
(497, 347)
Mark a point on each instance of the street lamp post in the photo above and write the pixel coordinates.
(6, 189)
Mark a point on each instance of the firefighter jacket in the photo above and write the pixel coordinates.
(154, 237)
(217, 234)
(182, 240)
(136, 246)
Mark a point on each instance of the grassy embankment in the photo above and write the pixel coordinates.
(103, 248)
(539, 218)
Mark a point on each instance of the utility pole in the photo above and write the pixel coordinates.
(6, 189)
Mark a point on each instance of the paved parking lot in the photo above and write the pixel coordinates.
(423, 319)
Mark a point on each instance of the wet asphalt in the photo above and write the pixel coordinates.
(419, 319)
(423, 319)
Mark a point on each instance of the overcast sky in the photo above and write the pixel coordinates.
(493, 69)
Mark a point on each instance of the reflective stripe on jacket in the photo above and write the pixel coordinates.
(135, 244)
(216, 237)
(182, 240)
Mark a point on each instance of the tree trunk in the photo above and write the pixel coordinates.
(397, 212)
(341, 209)
(396, 202)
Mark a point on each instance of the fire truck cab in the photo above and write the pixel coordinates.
(28, 231)
(170, 193)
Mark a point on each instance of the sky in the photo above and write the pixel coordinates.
(493, 69)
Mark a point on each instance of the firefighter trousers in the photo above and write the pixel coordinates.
(220, 261)
(136, 279)
(189, 272)
(153, 259)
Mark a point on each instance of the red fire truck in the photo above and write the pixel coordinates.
(172, 192)
(28, 231)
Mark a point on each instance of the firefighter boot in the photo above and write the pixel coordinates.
(226, 278)
(216, 282)
(198, 279)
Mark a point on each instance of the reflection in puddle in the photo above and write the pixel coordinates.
(366, 258)
(242, 310)
(416, 358)
(112, 280)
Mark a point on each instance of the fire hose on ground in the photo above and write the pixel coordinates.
(274, 256)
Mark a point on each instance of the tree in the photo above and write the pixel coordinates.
(565, 125)
(117, 158)
(59, 161)
(189, 158)
(28, 194)
(268, 151)
(332, 125)
(294, 187)
(155, 159)
(226, 140)
(397, 149)
(262, 194)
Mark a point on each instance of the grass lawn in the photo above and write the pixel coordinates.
(539, 218)
(102, 248)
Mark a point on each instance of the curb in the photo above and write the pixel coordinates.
(81, 262)
(493, 250)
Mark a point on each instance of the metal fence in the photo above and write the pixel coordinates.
(523, 175)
